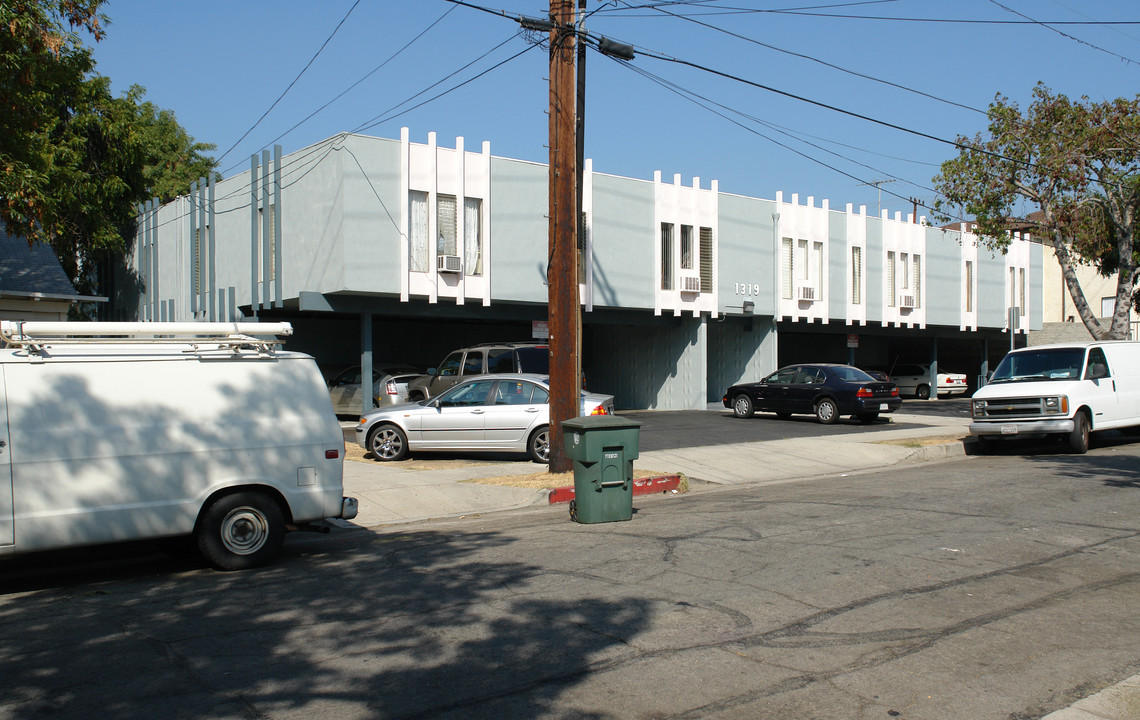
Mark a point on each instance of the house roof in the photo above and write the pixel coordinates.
(32, 271)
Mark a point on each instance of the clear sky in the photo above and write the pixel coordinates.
(928, 68)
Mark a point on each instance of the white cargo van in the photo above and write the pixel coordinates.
(1068, 390)
(125, 431)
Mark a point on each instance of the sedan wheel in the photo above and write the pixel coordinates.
(742, 406)
(923, 392)
(539, 445)
(388, 442)
(826, 411)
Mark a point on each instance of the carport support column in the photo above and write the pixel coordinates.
(934, 368)
(365, 361)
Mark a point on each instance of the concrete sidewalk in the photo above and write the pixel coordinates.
(405, 492)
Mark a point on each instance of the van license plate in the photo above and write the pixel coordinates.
(1008, 429)
(884, 406)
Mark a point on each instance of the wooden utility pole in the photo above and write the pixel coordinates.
(563, 313)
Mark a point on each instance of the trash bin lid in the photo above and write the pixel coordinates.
(593, 422)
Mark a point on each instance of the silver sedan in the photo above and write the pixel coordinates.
(486, 413)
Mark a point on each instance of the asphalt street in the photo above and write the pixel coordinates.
(995, 587)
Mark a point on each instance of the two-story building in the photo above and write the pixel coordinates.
(400, 251)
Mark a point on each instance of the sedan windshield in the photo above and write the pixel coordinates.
(1032, 365)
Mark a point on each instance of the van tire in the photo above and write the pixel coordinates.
(241, 531)
(1079, 437)
(388, 443)
(538, 445)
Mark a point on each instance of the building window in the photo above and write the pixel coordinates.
(687, 247)
(904, 270)
(418, 231)
(268, 246)
(856, 275)
(916, 264)
(1107, 307)
(969, 286)
(706, 260)
(786, 268)
(473, 235)
(666, 256)
(802, 252)
(892, 290)
(199, 254)
(445, 219)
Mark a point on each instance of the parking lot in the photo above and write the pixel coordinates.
(662, 430)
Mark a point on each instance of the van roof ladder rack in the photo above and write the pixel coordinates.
(36, 335)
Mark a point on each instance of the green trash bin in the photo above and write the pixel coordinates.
(603, 448)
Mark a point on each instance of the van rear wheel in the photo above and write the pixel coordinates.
(241, 531)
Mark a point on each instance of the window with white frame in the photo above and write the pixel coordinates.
(473, 235)
(706, 250)
(786, 268)
(904, 270)
(856, 275)
(686, 247)
(666, 256)
(916, 266)
(445, 225)
(804, 272)
(1013, 287)
(892, 290)
(418, 231)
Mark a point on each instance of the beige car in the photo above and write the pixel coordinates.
(489, 358)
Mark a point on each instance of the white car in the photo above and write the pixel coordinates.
(915, 380)
(486, 413)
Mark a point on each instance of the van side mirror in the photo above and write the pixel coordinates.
(1098, 371)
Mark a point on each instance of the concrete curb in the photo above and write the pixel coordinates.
(641, 486)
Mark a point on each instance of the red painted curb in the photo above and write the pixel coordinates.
(641, 486)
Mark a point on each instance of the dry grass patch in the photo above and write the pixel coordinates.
(924, 441)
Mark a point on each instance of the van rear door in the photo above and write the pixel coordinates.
(7, 528)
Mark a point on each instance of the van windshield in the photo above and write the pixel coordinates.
(1036, 365)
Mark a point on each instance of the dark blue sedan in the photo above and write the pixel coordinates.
(825, 390)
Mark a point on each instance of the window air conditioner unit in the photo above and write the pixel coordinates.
(447, 263)
(691, 283)
(906, 302)
(806, 292)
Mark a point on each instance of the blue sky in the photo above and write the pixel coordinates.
(221, 64)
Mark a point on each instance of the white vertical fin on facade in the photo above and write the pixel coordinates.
(686, 231)
(968, 299)
(586, 283)
(856, 264)
(405, 212)
(459, 177)
(802, 257)
(1018, 285)
(904, 279)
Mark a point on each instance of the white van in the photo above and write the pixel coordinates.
(125, 431)
(1068, 390)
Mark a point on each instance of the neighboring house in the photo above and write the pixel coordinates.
(392, 251)
(1060, 321)
(33, 285)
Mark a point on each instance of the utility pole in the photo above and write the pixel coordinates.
(878, 184)
(563, 313)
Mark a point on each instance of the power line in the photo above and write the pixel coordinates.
(294, 82)
(1062, 34)
(367, 75)
(817, 60)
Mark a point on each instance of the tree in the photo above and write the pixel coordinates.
(1078, 163)
(75, 161)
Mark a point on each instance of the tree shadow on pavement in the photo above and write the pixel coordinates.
(354, 625)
